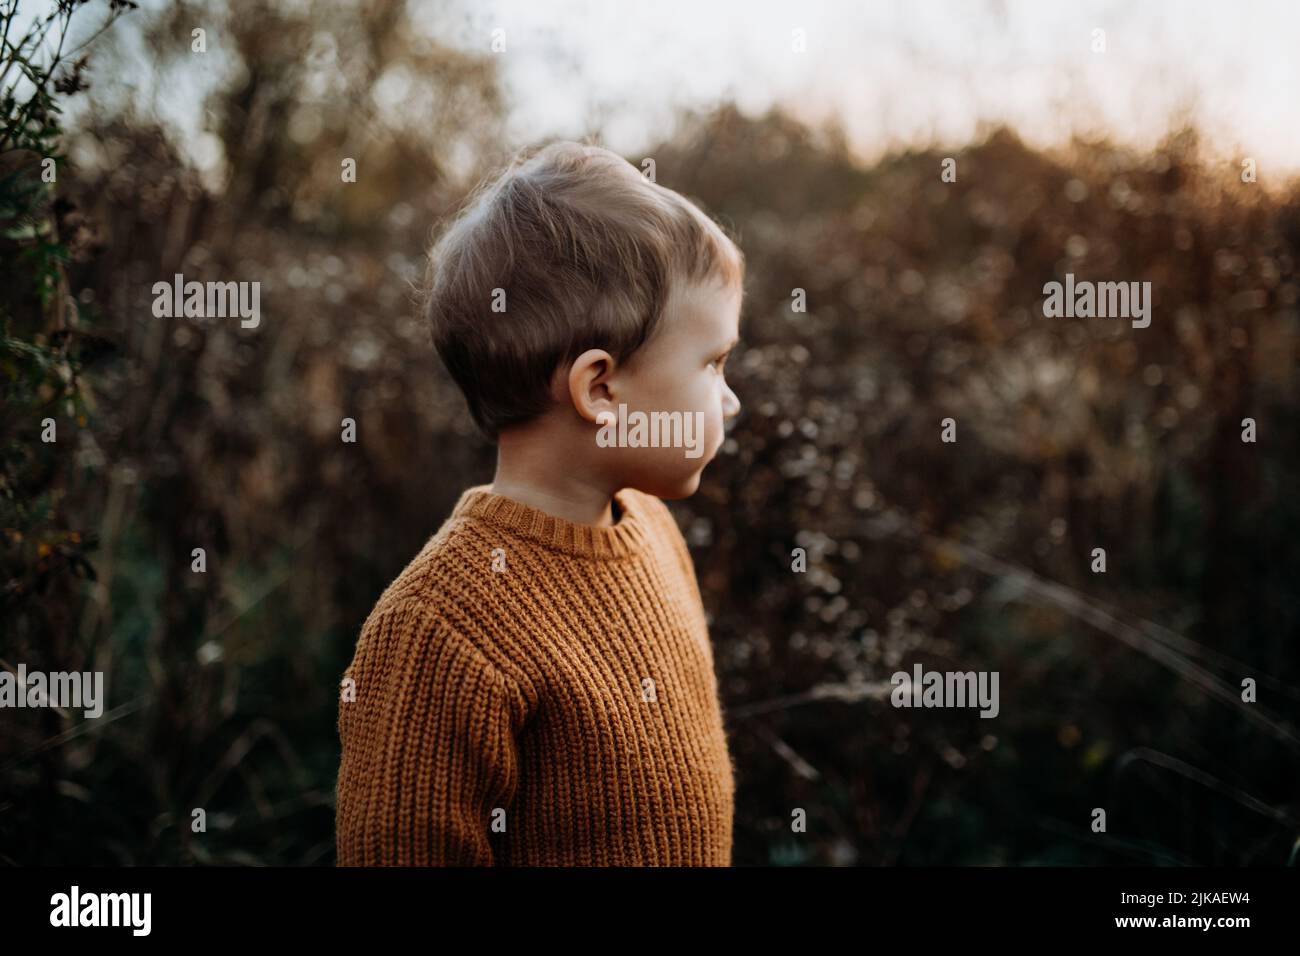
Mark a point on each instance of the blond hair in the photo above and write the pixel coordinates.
(583, 250)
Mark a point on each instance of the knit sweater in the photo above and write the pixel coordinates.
(533, 691)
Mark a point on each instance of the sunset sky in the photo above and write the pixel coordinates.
(895, 74)
(909, 72)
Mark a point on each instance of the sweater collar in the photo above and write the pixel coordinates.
(626, 537)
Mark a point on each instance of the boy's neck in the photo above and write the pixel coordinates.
(532, 472)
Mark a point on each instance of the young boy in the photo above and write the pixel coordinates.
(536, 687)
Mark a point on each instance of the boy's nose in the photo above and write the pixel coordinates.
(730, 403)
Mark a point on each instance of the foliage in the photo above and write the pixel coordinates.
(1118, 690)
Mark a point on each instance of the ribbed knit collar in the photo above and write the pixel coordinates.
(626, 537)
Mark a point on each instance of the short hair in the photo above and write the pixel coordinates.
(586, 250)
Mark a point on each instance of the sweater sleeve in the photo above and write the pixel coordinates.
(429, 754)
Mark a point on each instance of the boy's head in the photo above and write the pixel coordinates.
(574, 296)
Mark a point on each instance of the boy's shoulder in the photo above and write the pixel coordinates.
(464, 555)
(429, 578)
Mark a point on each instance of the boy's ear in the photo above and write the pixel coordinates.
(590, 384)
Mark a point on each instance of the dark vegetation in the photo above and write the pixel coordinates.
(1119, 690)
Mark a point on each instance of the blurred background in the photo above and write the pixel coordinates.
(1113, 156)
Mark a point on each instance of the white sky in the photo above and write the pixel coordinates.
(922, 72)
(905, 72)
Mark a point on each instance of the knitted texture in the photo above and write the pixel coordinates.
(532, 691)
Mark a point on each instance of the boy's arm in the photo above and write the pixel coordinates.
(429, 753)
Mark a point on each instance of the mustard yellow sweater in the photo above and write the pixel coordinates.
(532, 691)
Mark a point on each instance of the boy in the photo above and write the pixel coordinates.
(537, 686)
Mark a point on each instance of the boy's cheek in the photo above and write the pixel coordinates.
(717, 431)
(665, 473)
